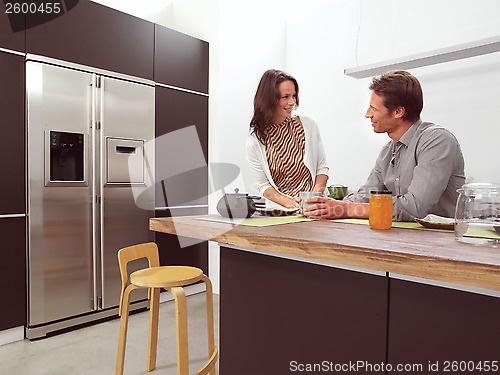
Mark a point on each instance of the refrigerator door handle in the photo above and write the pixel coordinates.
(100, 103)
(95, 193)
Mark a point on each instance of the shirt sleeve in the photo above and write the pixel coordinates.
(436, 158)
(322, 165)
(254, 159)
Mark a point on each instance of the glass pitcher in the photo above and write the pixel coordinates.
(477, 214)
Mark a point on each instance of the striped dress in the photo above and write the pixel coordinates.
(285, 156)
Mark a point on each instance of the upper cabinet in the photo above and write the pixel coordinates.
(11, 32)
(94, 35)
(180, 60)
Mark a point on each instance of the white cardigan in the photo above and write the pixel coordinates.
(314, 156)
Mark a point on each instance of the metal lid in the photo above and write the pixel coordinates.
(380, 191)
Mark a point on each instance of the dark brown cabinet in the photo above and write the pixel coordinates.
(277, 315)
(94, 35)
(13, 276)
(176, 109)
(180, 60)
(437, 326)
(8, 38)
(12, 195)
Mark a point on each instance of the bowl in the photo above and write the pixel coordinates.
(437, 222)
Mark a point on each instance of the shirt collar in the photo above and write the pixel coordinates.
(406, 138)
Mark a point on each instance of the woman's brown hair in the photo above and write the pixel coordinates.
(264, 103)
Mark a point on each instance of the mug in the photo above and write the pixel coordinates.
(337, 191)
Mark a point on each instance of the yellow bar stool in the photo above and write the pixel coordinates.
(171, 278)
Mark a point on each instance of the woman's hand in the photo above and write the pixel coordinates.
(294, 203)
(281, 199)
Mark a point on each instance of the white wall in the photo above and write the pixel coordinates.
(463, 96)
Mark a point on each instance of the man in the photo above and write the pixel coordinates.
(422, 165)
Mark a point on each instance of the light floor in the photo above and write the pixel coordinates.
(92, 350)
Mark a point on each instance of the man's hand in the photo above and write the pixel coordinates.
(329, 208)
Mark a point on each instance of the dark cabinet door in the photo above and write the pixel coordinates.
(181, 170)
(180, 60)
(434, 326)
(278, 315)
(11, 30)
(12, 192)
(94, 35)
(181, 167)
(13, 275)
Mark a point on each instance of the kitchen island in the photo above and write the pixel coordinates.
(329, 297)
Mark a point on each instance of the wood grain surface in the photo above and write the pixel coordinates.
(426, 254)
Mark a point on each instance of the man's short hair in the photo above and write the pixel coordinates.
(400, 89)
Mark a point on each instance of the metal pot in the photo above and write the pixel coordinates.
(477, 214)
(237, 205)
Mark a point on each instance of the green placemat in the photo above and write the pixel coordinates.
(256, 221)
(482, 233)
(395, 224)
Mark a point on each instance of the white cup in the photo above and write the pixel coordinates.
(307, 194)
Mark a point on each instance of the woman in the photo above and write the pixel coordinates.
(284, 151)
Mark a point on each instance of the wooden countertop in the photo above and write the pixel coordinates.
(426, 254)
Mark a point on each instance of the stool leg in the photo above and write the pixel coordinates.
(122, 337)
(182, 331)
(210, 318)
(154, 310)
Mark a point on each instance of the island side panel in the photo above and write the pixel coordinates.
(430, 325)
(275, 311)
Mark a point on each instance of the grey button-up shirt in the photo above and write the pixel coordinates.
(423, 170)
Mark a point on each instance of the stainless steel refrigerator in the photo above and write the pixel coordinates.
(90, 143)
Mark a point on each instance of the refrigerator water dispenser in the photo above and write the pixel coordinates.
(66, 157)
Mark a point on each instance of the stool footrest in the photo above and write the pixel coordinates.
(209, 365)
